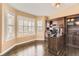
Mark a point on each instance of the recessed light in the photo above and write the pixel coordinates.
(68, 20)
(72, 19)
(77, 23)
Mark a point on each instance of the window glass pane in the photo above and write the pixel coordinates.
(33, 26)
(10, 33)
(10, 19)
(20, 29)
(39, 22)
(26, 26)
(25, 22)
(39, 25)
(25, 29)
(33, 22)
(10, 26)
(31, 29)
(30, 23)
(20, 20)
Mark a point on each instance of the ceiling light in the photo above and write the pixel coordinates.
(77, 23)
(68, 20)
(57, 5)
(72, 19)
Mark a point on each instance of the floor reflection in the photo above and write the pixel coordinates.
(71, 51)
(39, 49)
(33, 49)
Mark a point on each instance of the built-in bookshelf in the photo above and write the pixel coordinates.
(55, 36)
(72, 38)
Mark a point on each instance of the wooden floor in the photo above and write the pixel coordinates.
(38, 49)
(32, 49)
(71, 51)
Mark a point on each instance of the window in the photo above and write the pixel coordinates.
(39, 25)
(26, 25)
(19, 25)
(10, 26)
(31, 25)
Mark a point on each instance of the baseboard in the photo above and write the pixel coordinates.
(18, 44)
(40, 40)
(1, 54)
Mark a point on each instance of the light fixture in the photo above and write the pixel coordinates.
(68, 20)
(77, 22)
(72, 19)
(57, 5)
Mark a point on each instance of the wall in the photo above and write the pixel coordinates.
(7, 45)
(0, 26)
(27, 37)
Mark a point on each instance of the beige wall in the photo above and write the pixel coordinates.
(5, 45)
(0, 26)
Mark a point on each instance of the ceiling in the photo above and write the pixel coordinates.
(41, 9)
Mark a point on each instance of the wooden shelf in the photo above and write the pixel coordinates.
(72, 35)
(71, 45)
(56, 44)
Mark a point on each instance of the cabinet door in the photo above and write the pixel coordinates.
(77, 40)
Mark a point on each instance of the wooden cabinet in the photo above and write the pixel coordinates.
(73, 39)
(56, 42)
(72, 29)
(56, 45)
